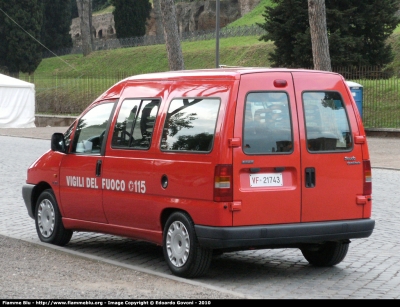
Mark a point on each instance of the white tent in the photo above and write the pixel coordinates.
(17, 103)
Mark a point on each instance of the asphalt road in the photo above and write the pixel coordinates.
(371, 269)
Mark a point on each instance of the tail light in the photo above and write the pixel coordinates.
(367, 189)
(223, 184)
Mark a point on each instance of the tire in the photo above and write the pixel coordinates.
(184, 256)
(49, 226)
(217, 252)
(327, 254)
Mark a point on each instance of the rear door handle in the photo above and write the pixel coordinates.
(310, 177)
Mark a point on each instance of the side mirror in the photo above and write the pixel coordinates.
(58, 142)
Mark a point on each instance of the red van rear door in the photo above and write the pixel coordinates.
(332, 164)
(266, 167)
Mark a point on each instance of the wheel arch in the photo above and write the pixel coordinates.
(182, 252)
(166, 213)
(39, 188)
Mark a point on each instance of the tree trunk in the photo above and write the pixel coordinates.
(84, 12)
(171, 35)
(159, 26)
(319, 35)
(91, 34)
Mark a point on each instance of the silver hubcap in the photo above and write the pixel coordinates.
(178, 244)
(46, 218)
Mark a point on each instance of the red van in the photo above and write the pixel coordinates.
(212, 161)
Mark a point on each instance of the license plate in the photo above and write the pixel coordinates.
(266, 180)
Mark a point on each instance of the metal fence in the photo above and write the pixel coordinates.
(70, 96)
(380, 95)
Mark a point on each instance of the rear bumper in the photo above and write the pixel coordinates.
(282, 234)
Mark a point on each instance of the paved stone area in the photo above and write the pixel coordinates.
(371, 269)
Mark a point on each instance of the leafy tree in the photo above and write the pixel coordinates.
(357, 32)
(20, 27)
(130, 17)
(73, 9)
(98, 5)
(56, 24)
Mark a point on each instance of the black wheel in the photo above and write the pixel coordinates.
(49, 226)
(182, 252)
(326, 254)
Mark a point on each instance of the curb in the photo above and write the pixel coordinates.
(42, 120)
(383, 132)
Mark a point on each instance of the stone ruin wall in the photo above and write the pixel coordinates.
(191, 16)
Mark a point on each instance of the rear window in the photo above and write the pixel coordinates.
(327, 125)
(267, 125)
(190, 125)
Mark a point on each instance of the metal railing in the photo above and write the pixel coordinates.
(380, 94)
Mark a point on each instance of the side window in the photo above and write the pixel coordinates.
(190, 125)
(327, 125)
(135, 123)
(267, 125)
(91, 128)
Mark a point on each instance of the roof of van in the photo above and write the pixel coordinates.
(233, 72)
(227, 73)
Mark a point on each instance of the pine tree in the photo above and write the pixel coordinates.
(56, 24)
(370, 23)
(357, 32)
(130, 17)
(286, 24)
(21, 24)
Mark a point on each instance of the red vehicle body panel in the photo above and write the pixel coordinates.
(267, 205)
(138, 204)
